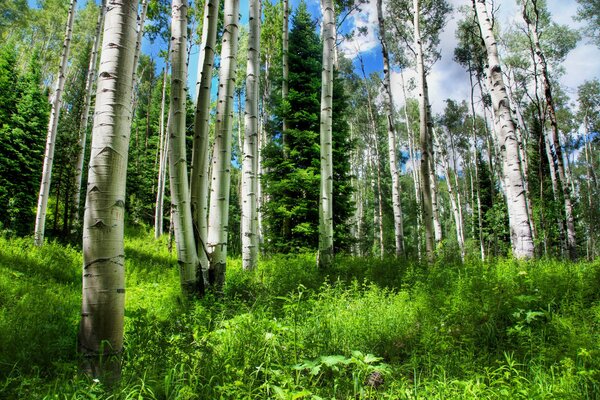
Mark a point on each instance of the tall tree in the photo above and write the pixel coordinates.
(102, 315)
(531, 15)
(188, 257)
(285, 70)
(250, 154)
(325, 256)
(392, 148)
(520, 229)
(221, 160)
(40, 221)
(89, 84)
(199, 179)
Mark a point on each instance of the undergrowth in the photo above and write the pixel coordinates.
(366, 329)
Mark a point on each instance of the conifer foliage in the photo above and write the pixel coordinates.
(292, 182)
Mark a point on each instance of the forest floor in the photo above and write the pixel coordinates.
(366, 329)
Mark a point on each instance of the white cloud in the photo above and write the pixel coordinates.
(366, 18)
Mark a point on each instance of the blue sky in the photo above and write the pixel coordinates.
(447, 79)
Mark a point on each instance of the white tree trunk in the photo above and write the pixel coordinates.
(285, 72)
(392, 154)
(85, 115)
(162, 163)
(250, 160)
(40, 220)
(426, 194)
(191, 281)
(325, 257)
(200, 155)
(138, 47)
(556, 146)
(414, 171)
(221, 159)
(102, 315)
(454, 196)
(520, 230)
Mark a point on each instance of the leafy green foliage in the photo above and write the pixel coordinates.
(370, 329)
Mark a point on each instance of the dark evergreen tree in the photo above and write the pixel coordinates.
(292, 182)
(23, 121)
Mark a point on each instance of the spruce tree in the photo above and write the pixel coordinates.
(292, 182)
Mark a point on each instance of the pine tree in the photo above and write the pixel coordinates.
(292, 182)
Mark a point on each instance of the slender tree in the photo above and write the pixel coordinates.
(392, 148)
(285, 71)
(555, 145)
(520, 229)
(40, 220)
(89, 83)
(250, 160)
(102, 315)
(199, 178)
(221, 160)
(188, 257)
(325, 257)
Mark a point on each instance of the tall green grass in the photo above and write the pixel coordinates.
(388, 329)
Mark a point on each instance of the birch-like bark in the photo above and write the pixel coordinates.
(200, 155)
(102, 314)
(392, 154)
(454, 196)
(138, 46)
(221, 160)
(414, 171)
(424, 131)
(285, 72)
(85, 115)
(40, 219)
(325, 257)
(162, 163)
(250, 160)
(521, 130)
(475, 163)
(556, 146)
(189, 262)
(520, 230)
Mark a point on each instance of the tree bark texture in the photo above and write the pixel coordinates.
(85, 115)
(325, 257)
(40, 220)
(188, 258)
(200, 155)
(221, 159)
(392, 153)
(250, 158)
(102, 314)
(520, 230)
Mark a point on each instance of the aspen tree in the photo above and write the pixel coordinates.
(392, 154)
(221, 160)
(162, 159)
(85, 115)
(250, 160)
(285, 70)
(553, 142)
(199, 179)
(102, 314)
(40, 219)
(325, 256)
(424, 130)
(190, 261)
(520, 230)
